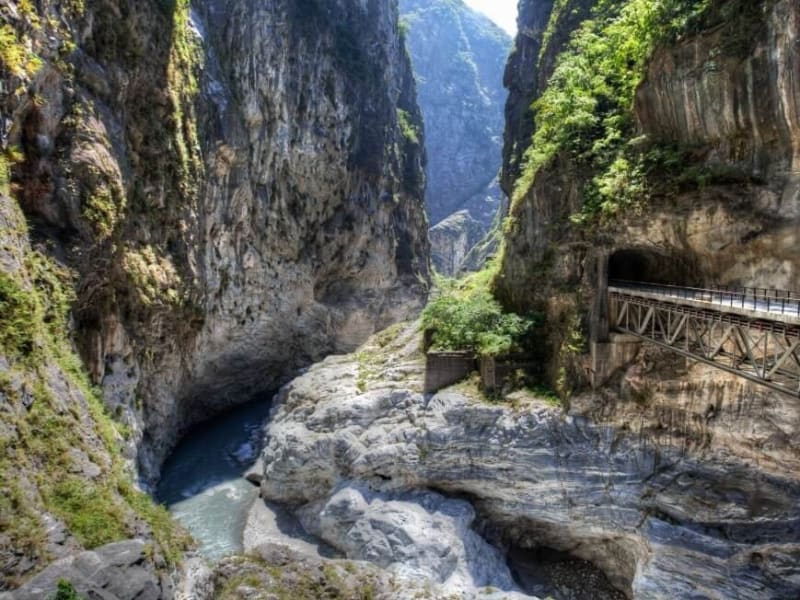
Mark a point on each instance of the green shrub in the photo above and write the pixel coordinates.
(34, 332)
(170, 536)
(586, 111)
(20, 314)
(476, 322)
(407, 127)
(66, 591)
(91, 512)
(15, 56)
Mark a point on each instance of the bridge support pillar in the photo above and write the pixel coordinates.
(608, 357)
(599, 325)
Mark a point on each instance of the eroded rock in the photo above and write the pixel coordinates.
(118, 571)
(626, 486)
(420, 536)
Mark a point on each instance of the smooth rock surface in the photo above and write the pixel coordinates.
(275, 525)
(420, 536)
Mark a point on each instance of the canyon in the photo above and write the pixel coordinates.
(457, 55)
(205, 202)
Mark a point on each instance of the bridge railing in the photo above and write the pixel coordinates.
(782, 302)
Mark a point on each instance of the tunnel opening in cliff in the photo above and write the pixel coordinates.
(646, 265)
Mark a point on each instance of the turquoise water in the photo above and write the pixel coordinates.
(202, 483)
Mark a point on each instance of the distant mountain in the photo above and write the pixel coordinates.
(458, 57)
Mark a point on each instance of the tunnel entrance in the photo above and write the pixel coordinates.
(649, 266)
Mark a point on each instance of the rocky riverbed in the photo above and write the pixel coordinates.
(354, 439)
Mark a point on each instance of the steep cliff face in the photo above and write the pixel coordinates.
(703, 190)
(726, 214)
(733, 91)
(458, 56)
(228, 193)
(543, 30)
(451, 241)
(313, 231)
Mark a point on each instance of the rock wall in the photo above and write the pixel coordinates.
(218, 195)
(230, 183)
(452, 240)
(733, 90)
(313, 230)
(698, 94)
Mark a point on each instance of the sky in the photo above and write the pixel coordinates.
(502, 12)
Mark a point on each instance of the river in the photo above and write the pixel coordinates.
(202, 482)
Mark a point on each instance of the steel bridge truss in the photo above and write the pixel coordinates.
(763, 351)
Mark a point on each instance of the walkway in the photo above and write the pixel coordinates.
(753, 333)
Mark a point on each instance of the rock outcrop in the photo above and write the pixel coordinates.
(118, 571)
(277, 572)
(452, 240)
(394, 532)
(458, 56)
(666, 504)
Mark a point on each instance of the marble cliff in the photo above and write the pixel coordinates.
(199, 200)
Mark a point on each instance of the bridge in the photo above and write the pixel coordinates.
(751, 332)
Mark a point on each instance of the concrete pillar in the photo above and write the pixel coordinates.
(489, 373)
(599, 328)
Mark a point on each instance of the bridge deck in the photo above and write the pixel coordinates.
(754, 334)
(753, 303)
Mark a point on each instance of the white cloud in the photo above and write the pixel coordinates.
(502, 12)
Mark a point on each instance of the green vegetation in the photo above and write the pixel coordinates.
(402, 28)
(102, 211)
(374, 355)
(171, 538)
(466, 316)
(18, 318)
(552, 24)
(15, 56)
(153, 276)
(185, 59)
(365, 370)
(407, 127)
(327, 581)
(90, 511)
(586, 111)
(476, 322)
(5, 175)
(66, 591)
(9, 157)
(50, 435)
(569, 350)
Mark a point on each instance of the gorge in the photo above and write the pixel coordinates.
(458, 55)
(203, 202)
